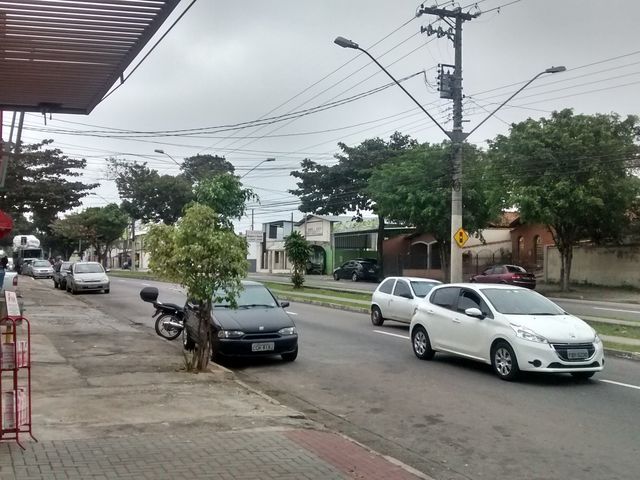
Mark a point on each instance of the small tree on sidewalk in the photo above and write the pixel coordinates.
(203, 253)
(298, 250)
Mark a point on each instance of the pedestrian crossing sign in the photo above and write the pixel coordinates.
(461, 237)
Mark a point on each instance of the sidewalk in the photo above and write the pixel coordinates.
(110, 402)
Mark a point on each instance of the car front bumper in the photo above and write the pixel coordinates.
(244, 347)
(543, 357)
(42, 274)
(91, 286)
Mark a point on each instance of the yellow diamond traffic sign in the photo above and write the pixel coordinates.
(461, 237)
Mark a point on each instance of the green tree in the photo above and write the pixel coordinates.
(200, 167)
(205, 256)
(415, 189)
(298, 250)
(225, 195)
(572, 173)
(343, 187)
(98, 227)
(148, 196)
(40, 182)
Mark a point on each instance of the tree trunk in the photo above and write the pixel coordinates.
(567, 258)
(202, 353)
(380, 245)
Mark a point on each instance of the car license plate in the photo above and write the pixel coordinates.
(577, 354)
(262, 347)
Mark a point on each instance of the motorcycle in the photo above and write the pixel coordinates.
(170, 321)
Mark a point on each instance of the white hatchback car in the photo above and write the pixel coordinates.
(396, 298)
(87, 276)
(510, 328)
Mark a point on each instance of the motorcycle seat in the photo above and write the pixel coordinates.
(171, 306)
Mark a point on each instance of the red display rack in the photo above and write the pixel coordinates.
(15, 378)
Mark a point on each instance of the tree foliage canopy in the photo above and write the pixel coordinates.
(199, 167)
(40, 182)
(225, 195)
(147, 195)
(571, 172)
(96, 226)
(415, 189)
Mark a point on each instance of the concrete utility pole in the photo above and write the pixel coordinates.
(451, 87)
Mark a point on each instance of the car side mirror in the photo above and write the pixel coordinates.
(474, 312)
(107, 270)
(284, 304)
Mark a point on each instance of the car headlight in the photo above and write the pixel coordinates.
(596, 338)
(526, 334)
(230, 333)
(288, 331)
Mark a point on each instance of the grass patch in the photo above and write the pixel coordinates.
(627, 331)
(293, 297)
(282, 287)
(623, 347)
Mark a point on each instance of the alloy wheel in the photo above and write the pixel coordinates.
(503, 361)
(420, 342)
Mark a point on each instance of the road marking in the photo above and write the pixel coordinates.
(616, 310)
(636, 387)
(146, 284)
(292, 313)
(392, 334)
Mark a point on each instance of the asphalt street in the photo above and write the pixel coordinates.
(450, 418)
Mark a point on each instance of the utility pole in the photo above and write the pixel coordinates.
(451, 87)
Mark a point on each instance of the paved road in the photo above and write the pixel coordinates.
(620, 311)
(450, 418)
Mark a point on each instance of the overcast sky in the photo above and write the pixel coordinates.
(232, 62)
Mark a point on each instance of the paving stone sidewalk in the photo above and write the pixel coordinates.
(110, 403)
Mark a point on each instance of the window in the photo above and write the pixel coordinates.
(520, 249)
(88, 268)
(446, 297)
(488, 271)
(469, 299)
(499, 270)
(515, 269)
(273, 231)
(537, 250)
(402, 289)
(422, 288)
(387, 286)
(276, 256)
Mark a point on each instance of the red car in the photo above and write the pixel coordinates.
(511, 274)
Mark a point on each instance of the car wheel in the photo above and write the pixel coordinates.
(55, 284)
(74, 291)
(336, 276)
(291, 356)
(582, 375)
(354, 277)
(187, 342)
(376, 316)
(421, 343)
(504, 362)
(473, 280)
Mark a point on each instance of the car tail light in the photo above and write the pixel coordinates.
(517, 275)
(15, 281)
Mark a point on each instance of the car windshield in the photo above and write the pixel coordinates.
(88, 268)
(41, 263)
(422, 288)
(520, 302)
(251, 296)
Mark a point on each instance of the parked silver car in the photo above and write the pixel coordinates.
(60, 272)
(86, 277)
(41, 269)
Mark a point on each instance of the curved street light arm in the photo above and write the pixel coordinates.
(344, 43)
(548, 70)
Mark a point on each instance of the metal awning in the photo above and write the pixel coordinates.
(62, 56)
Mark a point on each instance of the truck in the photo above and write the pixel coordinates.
(25, 247)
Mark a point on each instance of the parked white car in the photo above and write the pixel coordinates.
(396, 298)
(87, 276)
(511, 328)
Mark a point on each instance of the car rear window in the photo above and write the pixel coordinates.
(41, 263)
(515, 269)
(387, 285)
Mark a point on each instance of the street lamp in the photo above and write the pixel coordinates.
(256, 166)
(457, 137)
(159, 150)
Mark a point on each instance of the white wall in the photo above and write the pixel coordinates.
(607, 266)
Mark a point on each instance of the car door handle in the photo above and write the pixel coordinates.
(457, 320)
